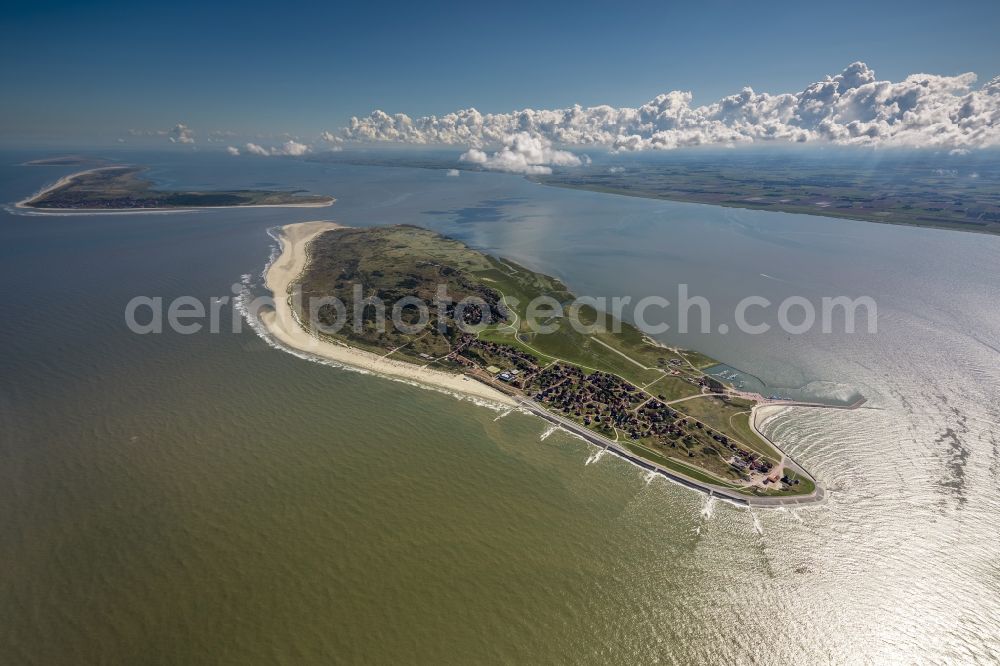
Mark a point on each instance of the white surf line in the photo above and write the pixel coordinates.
(756, 522)
(503, 414)
(548, 432)
(708, 508)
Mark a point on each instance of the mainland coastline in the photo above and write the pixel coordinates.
(285, 327)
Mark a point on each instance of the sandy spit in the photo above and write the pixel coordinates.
(25, 203)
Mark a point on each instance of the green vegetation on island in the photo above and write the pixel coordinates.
(654, 401)
(123, 188)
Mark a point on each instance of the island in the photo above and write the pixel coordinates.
(647, 403)
(123, 188)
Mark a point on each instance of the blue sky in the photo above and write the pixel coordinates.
(98, 70)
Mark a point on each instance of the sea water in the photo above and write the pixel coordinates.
(210, 499)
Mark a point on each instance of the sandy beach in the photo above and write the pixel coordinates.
(282, 324)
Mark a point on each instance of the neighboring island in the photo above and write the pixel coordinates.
(620, 391)
(123, 188)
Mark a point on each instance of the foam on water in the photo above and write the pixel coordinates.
(758, 528)
(274, 233)
(548, 431)
(708, 508)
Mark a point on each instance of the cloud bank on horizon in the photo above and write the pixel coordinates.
(290, 148)
(523, 153)
(853, 108)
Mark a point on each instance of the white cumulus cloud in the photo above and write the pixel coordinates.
(181, 133)
(522, 153)
(254, 149)
(232, 150)
(290, 147)
(853, 107)
(332, 140)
